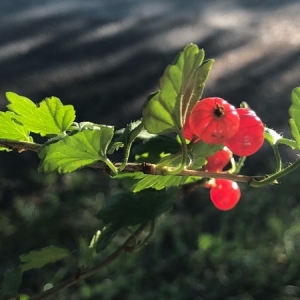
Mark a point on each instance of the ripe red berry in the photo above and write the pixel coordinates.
(218, 161)
(214, 120)
(250, 135)
(225, 194)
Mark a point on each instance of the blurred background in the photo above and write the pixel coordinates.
(105, 57)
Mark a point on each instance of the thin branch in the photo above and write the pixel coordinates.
(19, 146)
(145, 168)
(124, 248)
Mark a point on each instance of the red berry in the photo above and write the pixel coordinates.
(214, 120)
(219, 160)
(250, 136)
(225, 194)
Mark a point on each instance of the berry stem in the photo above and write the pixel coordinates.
(111, 166)
(278, 158)
(239, 165)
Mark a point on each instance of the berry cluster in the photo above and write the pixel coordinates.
(215, 121)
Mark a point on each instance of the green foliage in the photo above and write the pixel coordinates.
(48, 117)
(294, 112)
(275, 139)
(76, 150)
(139, 181)
(156, 139)
(36, 259)
(11, 129)
(181, 86)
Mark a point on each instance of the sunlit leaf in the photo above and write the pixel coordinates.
(275, 138)
(138, 181)
(36, 259)
(11, 129)
(294, 112)
(76, 150)
(48, 117)
(181, 86)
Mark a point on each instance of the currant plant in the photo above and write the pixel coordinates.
(180, 140)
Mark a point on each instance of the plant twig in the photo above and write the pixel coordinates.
(19, 146)
(145, 168)
(124, 248)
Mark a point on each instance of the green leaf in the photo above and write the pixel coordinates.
(11, 129)
(48, 117)
(200, 151)
(76, 150)
(181, 86)
(275, 138)
(138, 181)
(128, 209)
(36, 259)
(11, 281)
(294, 113)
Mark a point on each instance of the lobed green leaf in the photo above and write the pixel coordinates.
(11, 129)
(36, 259)
(48, 117)
(76, 150)
(181, 86)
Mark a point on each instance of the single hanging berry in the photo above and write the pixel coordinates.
(250, 135)
(214, 120)
(218, 161)
(225, 194)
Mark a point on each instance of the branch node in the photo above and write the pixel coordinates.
(147, 168)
